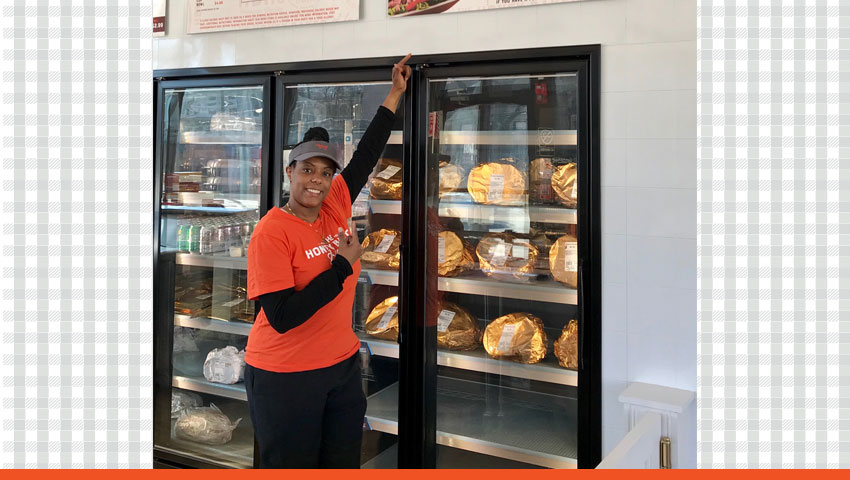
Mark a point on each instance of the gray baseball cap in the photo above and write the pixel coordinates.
(314, 149)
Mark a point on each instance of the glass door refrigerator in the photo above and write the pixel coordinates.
(502, 315)
(212, 142)
(344, 104)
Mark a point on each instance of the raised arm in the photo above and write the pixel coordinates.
(375, 138)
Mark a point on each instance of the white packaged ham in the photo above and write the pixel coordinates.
(225, 365)
(205, 425)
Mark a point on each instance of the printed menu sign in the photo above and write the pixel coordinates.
(158, 18)
(204, 16)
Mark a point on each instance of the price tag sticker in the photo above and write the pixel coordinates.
(497, 186)
(385, 243)
(505, 340)
(444, 320)
(571, 257)
(519, 251)
(233, 303)
(389, 172)
(441, 250)
(385, 320)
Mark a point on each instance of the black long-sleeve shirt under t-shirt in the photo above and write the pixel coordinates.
(287, 309)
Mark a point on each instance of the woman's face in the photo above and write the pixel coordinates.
(310, 181)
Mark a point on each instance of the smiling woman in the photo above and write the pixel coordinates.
(303, 373)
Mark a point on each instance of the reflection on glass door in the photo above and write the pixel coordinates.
(211, 160)
(502, 200)
(345, 110)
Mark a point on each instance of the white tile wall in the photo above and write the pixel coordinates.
(648, 130)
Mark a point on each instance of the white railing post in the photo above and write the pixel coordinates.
(677, 411)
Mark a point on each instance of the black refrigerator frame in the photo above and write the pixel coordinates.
(417, 342)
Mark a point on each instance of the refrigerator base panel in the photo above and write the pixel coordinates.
(491, 420)
(447, 457)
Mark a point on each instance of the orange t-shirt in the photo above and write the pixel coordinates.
(286, 252)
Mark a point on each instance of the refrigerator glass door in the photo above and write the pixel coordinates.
(211, 161)
(345, 110)
(502, 242)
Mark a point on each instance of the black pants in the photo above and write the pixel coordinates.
(311, 419)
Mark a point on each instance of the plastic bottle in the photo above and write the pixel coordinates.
(195, 237)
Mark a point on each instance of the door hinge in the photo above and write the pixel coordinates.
(665, 452)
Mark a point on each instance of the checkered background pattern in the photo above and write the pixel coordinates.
(77, 235)
(770, 244)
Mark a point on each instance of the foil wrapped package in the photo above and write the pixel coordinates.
(454, 255)
(507, 256)
(225, 365)
(540, 173)
(181, 400)
(457, 329)
(382, 321)
(386, 184)
(516, 336)
(451, 178)
(497, 184)
(566, 346)
(564, 184)
(205, 425)
(381, 250)
(563, 260)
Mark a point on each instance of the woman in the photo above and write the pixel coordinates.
(303, 368)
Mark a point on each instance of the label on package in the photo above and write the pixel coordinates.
(497, 185)
(500, 254)
(571, 256)
(444, 320)
(506, 339)
(233, 303)
(385, 243)
(389, 172)
(519, 251)
(441, 249)
(385, 320)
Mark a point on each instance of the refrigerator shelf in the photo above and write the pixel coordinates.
(212, 324)
(486, 213)
(200, 209)
(541, 432)
(477, 360)
(223, 137)
(493, 213)
(217, 261)
(508, 137)
(478, 284)
(202, 385)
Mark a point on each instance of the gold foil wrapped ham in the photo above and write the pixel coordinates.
(506, 256)
(516, 336)
(457, 329)
(451, 178)
(566, 346)
(382, 321)
(386, 184)
(381, 250)
(564, 184)
(497, 184)
(454, 255)
(540, 173)
(563, 260)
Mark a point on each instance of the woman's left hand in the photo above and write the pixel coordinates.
(401, 74)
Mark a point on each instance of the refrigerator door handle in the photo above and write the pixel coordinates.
(581, 322)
